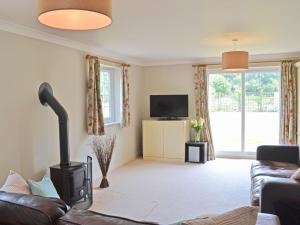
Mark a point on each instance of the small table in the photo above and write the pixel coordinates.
(196, 152)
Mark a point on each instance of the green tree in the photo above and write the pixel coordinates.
(235, 81)
(262, 82)
(260, 86)
(221, 86)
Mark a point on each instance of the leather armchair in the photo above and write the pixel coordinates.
(277, 192)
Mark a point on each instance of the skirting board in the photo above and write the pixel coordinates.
(164, 159)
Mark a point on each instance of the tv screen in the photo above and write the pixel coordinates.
(169, 106)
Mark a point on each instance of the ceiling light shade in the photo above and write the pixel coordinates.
(75, 14)
(235, 61)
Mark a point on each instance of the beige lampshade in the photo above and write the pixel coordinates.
(235, 61)
(75, 14)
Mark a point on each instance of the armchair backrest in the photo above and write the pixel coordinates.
(278, 153)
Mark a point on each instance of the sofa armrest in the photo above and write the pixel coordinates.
(279, 153)
(275, 192)
(30, 209)
(87, 217)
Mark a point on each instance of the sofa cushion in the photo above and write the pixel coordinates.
(296, 175)
(241, 216)
(15, 183)
(267, 219)
(273, 169)
(258, 182)
(29, 209)
(44, 188)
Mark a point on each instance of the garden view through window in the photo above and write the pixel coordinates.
(244, 109)
(110, 92)
(106, 94)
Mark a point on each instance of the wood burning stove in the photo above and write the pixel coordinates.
(72, 180)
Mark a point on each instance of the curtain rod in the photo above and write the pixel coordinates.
(254, 62)
(108, 60)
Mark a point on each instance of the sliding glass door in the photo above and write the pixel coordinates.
(261, 108)
(225, 110)
(244, 109)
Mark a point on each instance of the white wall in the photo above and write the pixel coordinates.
(174, 79)
(28, 130)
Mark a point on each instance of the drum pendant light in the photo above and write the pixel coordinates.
(235, 60)
(75, 14)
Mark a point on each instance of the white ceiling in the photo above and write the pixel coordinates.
(161, 31)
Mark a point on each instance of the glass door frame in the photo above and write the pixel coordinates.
(243, 153)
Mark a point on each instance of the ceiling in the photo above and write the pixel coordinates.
(162, 31)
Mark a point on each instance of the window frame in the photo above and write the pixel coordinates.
(114, 97)
(243, 153)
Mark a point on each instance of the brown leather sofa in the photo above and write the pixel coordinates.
(271, 184)
(19, 209)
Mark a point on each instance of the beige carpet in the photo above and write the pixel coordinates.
(170, 192)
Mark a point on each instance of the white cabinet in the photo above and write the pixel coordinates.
(152, 139)
(165, 140)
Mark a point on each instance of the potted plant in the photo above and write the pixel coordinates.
(197, 125)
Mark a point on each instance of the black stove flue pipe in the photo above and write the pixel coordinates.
(46, 98)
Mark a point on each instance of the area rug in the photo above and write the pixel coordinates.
(171, 192)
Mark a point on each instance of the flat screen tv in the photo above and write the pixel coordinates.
(169, 106)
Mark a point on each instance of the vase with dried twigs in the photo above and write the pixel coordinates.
(103, 146)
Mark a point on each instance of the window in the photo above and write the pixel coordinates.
(244, 109)
(110, 91)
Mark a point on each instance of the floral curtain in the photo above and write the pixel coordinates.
(288, 114)
(201, 104)
(125, 96)
(95, 121)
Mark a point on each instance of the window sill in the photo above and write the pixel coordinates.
(112, 124)
(236, 155)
